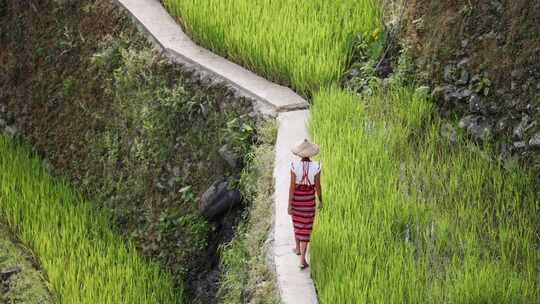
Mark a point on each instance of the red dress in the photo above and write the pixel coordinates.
(303, 206)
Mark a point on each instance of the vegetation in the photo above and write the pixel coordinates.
(137, 135)
(246, 276)
(438, 222)
(308, 46)
(85, 261)
(20, 281)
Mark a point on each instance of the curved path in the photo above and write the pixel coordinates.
(295, 286)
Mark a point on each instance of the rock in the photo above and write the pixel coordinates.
(449, 73)
(535, 140)
(453, 95)
(479, 127)
(230, 157)
(11, 131)
(3, 108)
(519, 145)
(223, 203)
(3, 123)
(524, 125)
(218, 199)
(160, 186)
(463, 78)
(476, 105)
(218, 188)
(438, 92)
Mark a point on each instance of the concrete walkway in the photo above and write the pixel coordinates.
(295, 286)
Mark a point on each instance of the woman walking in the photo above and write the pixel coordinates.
(305, 183)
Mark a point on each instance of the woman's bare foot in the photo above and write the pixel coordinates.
(303, 265)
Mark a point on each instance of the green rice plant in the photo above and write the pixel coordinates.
(85, 261)
(413, 218)
(302, 44)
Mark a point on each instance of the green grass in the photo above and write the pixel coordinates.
(85, 261)
(302, 44)
(415, 218)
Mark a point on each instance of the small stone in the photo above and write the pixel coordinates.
(466, 121)
(3, 123)
(524, 125)
(160, 186)
(476, 105)
(519, 145)
(11, 131)
(535, 140)
(463, 78)
(477, 126)
(3, 108)
(449, 72)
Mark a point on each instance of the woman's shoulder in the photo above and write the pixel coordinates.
(316, 165)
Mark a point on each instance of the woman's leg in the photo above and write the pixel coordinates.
(303, 249)
(297, 248)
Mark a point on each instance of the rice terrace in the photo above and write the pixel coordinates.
(234, 151)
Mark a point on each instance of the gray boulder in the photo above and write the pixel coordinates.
(217, 199)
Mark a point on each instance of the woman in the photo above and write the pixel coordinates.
(305, 182)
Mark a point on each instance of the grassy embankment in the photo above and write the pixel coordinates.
(85, 261)
(21, 280)
(415, 218)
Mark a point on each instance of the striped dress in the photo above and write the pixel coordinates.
(303, 203)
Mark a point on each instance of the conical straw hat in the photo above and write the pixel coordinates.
(305, 149)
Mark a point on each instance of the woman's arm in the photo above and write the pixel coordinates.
(291, 191)
(318, 188)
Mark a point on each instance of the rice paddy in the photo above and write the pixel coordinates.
(84, 260)
(414, 217)
(302, 44)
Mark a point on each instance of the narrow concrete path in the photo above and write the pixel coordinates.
(295, 286)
